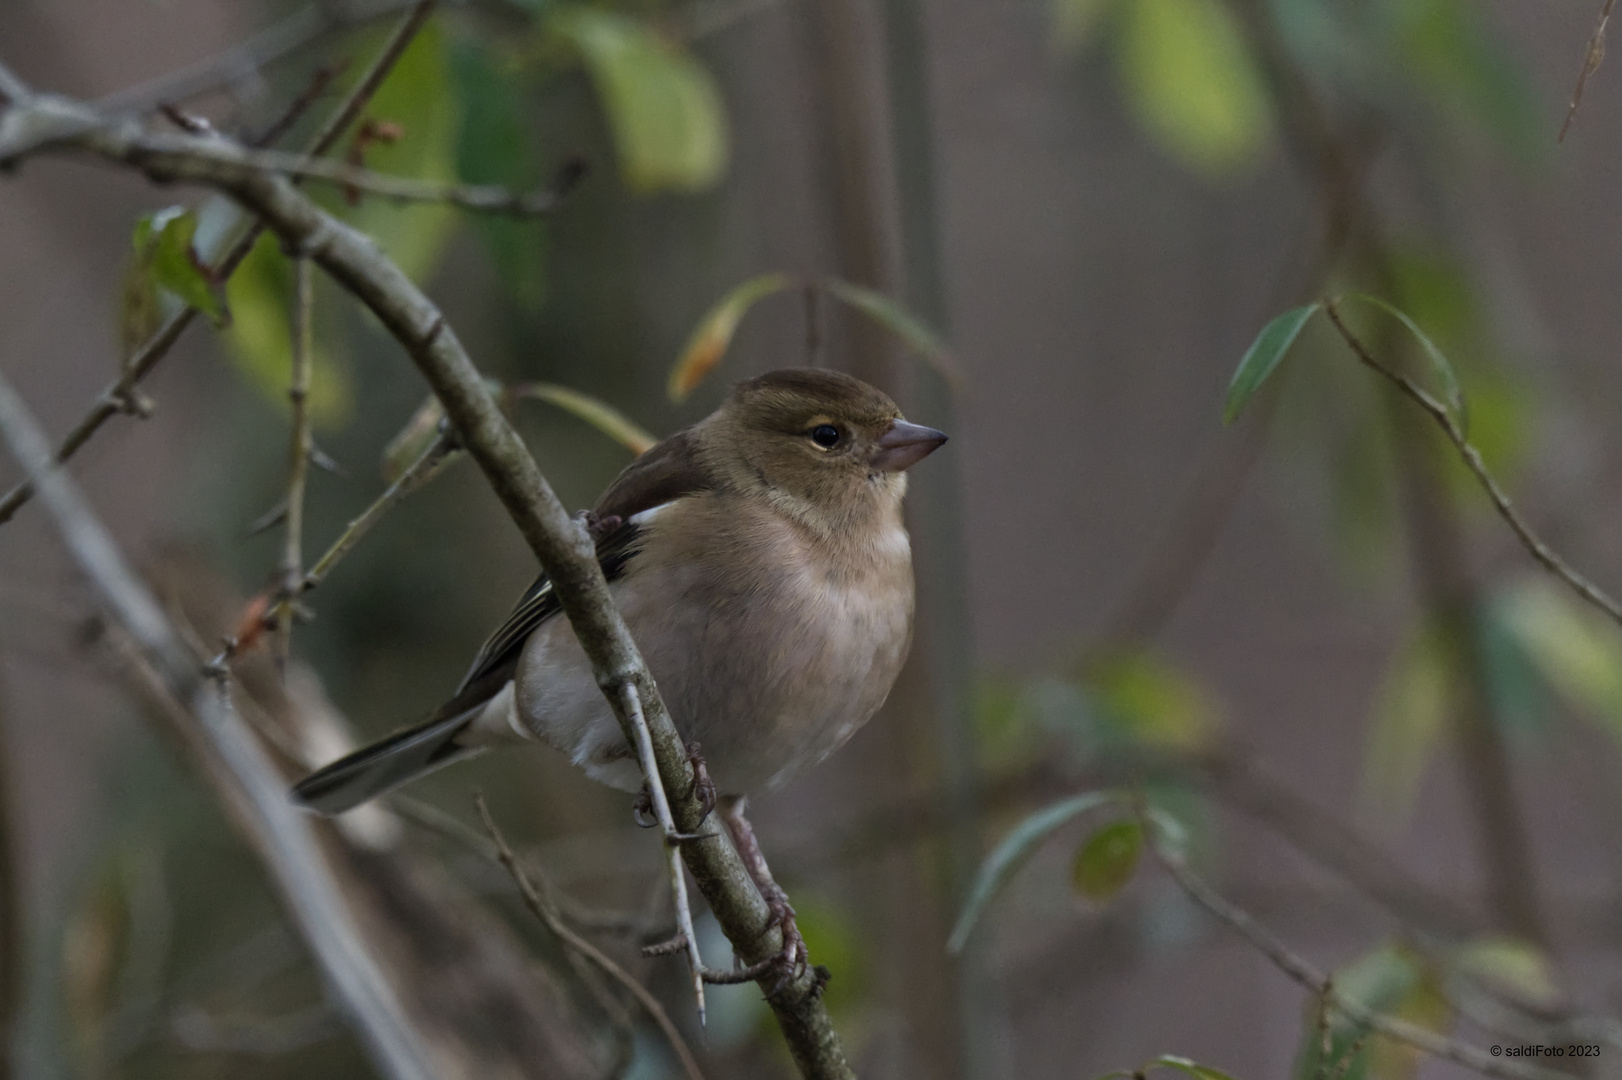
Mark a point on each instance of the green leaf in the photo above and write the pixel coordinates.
(1009, 855)
(166, 258)
(259, 339)
(1410, 718)
(1191, 82)
(1106, 860)
(663, 108)
(899, 321)
(594, 411)
(1507, 964)
(1264, 355)
(1151, 702)
(1575, 648)
(419, 97)
(714, 333)
(496, 145)
(1383, 981)
(1446, 377)
(1184, 1065)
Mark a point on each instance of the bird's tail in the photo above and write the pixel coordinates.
(385, 765)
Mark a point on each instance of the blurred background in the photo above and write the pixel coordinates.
(1305, 636)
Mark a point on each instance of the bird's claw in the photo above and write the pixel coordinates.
(792, 960)
(703, 786)
(642, 808)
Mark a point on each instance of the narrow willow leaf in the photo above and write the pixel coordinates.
(889, 314)
(714, 334)
(1507, 964)
(1012, 852)
(1106, 860)
(1191, 83)
(1185, 1065)
(1264, 355)
(663, 108)
(1410, 714)
(594, 411)
(1576, 649)
(1446, 377)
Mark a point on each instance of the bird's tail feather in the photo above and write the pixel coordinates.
(385, 765)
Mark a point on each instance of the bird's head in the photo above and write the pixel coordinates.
(819, 442)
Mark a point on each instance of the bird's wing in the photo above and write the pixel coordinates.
(668, 471)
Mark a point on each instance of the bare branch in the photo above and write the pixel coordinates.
(1592, 57)
(561, 545)
(285, 38)
(113, 398)
(284, 835)
(542, 908)
(672, 837)
(1318, 982)
(298, 463)
(1445, 420)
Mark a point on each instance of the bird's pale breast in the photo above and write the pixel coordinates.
(765, 655)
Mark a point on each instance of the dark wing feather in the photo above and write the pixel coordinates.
(669, 470)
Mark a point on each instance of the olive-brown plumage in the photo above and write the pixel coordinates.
(760, 561)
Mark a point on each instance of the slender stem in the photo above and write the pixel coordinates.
(298, 464)
(488, 198)
(284, 836)
(427, 466)
(1444, 418)
(1318, 982)
(539, 903)
(672, 837)
(115, 398)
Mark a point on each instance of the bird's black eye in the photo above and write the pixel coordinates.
(825, 436)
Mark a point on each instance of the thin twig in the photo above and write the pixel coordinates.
(672, 836)
(427, 466)
(1308, 976)
(485, 198)
(298, 462)
(542, 908)
(1592, 56)
(283, 39)
(13, 89)
(1472, 458)
(563, 547)
(285, 837)
(114, 398)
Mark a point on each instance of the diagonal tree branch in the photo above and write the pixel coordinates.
(561, 545)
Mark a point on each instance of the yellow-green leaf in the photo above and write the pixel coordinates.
(260, 340)
(1192, 84)
(420, 101)
(1152, 702)
(889, 314)
(662, 106)
(165, 258)
(1507, 964)
(714, 333)
(1410, 716)
(1578, 650)
(1105, 861)
(1012, 852)
(594, 411)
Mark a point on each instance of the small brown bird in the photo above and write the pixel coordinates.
(760, 561)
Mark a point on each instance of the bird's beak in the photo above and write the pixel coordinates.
(904, 445)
